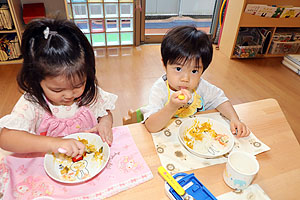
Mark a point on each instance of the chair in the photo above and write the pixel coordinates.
(133, 117)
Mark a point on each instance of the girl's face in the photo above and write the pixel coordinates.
(184, 77)
(61, 91)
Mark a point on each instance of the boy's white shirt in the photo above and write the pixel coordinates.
(212, 96)
(27, 116)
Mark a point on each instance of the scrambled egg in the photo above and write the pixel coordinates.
(198, 131)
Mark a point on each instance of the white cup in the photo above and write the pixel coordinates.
(241, 168)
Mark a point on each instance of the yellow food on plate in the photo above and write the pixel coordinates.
(72, 170)
(203, 136)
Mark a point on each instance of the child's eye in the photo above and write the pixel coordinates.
(57, 91)
(178, 69)
(79, 85)
(195, 71)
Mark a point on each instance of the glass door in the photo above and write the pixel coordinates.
(106, 23)
(158, 16)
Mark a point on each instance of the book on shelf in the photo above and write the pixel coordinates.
(266, 11)
(252, 8)
(3, 56)
(297, 13)
(289, 12)
(2, 20)
(290, 66)
(2, 26)
(9, 47)
(277, 12)
(6, 19)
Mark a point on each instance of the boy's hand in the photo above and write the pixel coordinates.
(177, 100)
(72, 147)
(103, 128)
(239, 129)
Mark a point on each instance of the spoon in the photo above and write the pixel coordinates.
(174, 184)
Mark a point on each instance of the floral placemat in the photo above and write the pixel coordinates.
(176, 158)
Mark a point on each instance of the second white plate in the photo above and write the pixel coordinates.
(205, 137)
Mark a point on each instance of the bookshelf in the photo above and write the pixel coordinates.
(15, 9)
(236, 18)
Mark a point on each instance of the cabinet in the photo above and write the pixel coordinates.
(15, 9)
(236, 18)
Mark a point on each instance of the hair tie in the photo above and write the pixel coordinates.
(47, 32)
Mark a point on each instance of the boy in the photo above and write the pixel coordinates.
(181, 92)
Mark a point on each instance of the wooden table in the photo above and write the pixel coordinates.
(279, 174)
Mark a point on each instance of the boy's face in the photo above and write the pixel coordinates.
(184, 77)
(61, 91)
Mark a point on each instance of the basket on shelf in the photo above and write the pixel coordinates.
(278, 47)
(249, 42)
(247, 51)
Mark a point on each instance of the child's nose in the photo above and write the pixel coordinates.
(185, 77)
(68, 94)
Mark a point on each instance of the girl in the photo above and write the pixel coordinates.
(181, 92)
(61, 93)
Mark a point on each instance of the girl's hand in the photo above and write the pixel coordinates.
(176, 101)
(103, 128)
(73, 147)
(239, 129)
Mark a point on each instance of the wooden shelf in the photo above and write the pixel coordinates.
(8, 31)
(248, 20)
(15, 8)
(16, 61)
(260, 56)
(236, 18)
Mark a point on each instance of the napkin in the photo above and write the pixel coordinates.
(175, 158)
(23, 176)
(252, 192)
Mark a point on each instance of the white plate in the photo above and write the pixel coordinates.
(82, 170)
(208, 147)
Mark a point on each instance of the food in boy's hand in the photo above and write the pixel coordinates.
(181, 97)
(202, 138)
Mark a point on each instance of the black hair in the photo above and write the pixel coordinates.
(64, 51)
(185, 43)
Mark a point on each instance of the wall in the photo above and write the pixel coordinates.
(179, 7)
